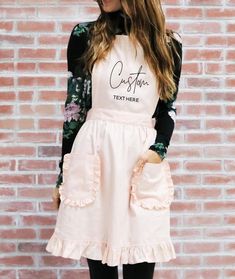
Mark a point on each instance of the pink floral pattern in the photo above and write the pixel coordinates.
(72, 112)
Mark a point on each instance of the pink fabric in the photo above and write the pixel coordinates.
(106, 212)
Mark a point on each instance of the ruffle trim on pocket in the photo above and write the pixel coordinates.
(93, 188)
(154, 204)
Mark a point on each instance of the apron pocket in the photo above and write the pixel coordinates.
(81, 179)
(153, 188)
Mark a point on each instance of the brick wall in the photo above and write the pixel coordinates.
(33, 40)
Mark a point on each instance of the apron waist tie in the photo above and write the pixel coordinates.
(120, 116)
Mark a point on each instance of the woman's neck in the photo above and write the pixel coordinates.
(118, 21)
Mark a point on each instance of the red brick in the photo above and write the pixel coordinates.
(203, 273)
(216, 41)
(7, 192)
(26, 67)
(49, 96)
(223, 96)
(185, 261)
(36, 81)
(47, 206)
(6, 81)
(6, 26)
(220, 260)
(56, 12)
(184, 233)
(46, 233)
(31, 247)
(6, 109)
(34, 193)
(7, 248)
(56, 261)
(16, 206)
(36, 26)
(204, 110)
(7, 67)
(230, 247)
(184, 12)
(74, 274)
(53, 40)
(229, 273)
(37, 53)
(18, 13)
(17, 39)
(28, 165)
(49, 151)
(219, 233)
(17, 261)
(178, 206)
(25, 95)
(203, 166)
(214, 68)
(200, 221)
(7, 96)
(203, 54)
(166, 273)
(28, 274)
(7, 274)
(203, 137)
(17, 178)
(220, 13)
(7, 220)
(202, 193)
(218, 179)
(17, 151)
(53, 67)
(36, 137)
(202, 27)
(6, 53)
(40, 220)
(219, 205)
(199, 248)
(47, 179)
(17, 233)
(37, 110)
(7, 165)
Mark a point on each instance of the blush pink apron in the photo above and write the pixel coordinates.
(107, 213)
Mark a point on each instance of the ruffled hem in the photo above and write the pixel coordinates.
(159, 252)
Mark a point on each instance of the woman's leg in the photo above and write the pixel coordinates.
(98, 270)
(142, 270)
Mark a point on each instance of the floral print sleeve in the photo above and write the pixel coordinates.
(78, 100)
(165, 111)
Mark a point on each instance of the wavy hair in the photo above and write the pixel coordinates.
(147, 26)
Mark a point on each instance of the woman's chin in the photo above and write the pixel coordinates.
(109, 10)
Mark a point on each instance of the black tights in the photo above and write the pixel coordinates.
(142, 270)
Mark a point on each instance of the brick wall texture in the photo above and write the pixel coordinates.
(33, 41)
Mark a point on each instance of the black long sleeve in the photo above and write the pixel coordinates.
(165, 111)
(78, 100)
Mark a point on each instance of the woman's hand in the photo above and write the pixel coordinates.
(56, 197)
(149, 156)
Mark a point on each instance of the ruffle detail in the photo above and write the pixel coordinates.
(154, 203)
(77, 203)
(159, 252)
(93, 182)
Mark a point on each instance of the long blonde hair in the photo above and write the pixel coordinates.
(147, 22)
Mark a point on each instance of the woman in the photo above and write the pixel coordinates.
(114, 189)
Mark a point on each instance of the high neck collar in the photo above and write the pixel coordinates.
(118, 22)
